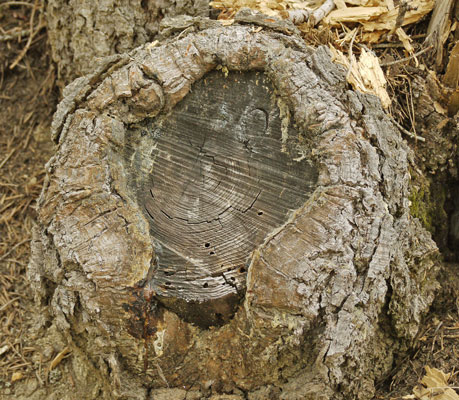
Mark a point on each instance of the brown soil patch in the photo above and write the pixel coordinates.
(27, 102)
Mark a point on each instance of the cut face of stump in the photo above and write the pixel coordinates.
(216, 176)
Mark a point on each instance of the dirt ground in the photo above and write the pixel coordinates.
(28, 98)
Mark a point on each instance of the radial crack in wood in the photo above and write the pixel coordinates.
(216, 178)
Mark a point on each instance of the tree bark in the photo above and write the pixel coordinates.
(326, 290)
(80, 32)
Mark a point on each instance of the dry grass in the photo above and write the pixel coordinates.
(27, 101)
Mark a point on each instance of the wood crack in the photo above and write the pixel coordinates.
(220, 183)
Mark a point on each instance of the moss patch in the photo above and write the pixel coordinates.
(427, 204)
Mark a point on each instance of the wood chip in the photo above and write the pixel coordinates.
(387, 21)
(372, 37)
(435, 384)
(296, 11)
(453, 108)
(439, 109)
(373, 15)
(16, 376)
(373, 76)
(406, 41)
(57, 360)
(340, 4)
(354, 14)
(227, 22)
(366, 75)
(451, 77)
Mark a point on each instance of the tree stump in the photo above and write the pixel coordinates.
(222, 214)
(81, 31)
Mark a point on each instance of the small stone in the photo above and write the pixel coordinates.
(47, 352)
(17, 376)
(4, 349)
(54, 376)
(193, 395)
(168, 394)
(32, 385)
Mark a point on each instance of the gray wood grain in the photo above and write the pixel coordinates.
(220, 180)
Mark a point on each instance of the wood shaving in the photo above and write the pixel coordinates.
(435, 386)
(366, 75)
(57, 360)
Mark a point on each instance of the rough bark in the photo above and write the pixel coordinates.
(434, 167)
(82, 31)
(331, 292)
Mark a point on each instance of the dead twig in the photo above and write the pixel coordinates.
(410, 106)
(57, 360)
(7, 157)
(407, 132)
(388, 46)
(4, 256)
(19, 354)
(387, 64)
(403, 8)
(296, 16)
(321, 12)
(16, 3)
(14, 35)
(4, 306)
(31, 36)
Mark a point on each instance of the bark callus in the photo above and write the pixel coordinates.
(144, 312)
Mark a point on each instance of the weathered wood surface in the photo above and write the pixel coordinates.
(334, 287)
(81, 31)
(216, 178)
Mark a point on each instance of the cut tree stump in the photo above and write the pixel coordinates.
(222, 214)
(80, 32)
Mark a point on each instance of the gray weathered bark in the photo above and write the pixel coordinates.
(81, 31)
(332, 289)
